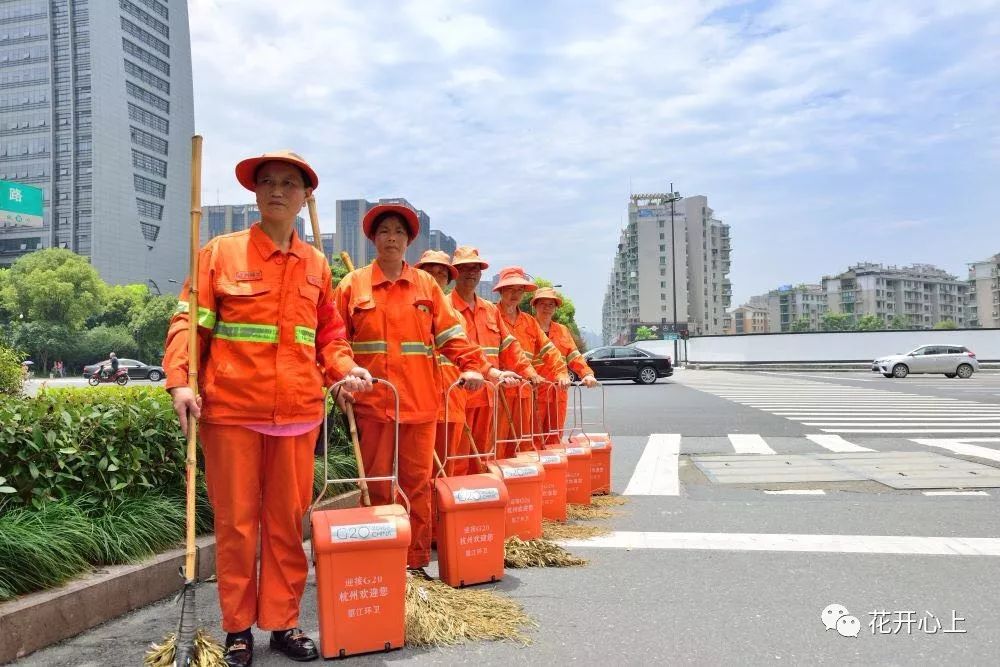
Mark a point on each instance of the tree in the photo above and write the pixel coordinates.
(870, 322)
(339, 270)
(900, 322)
(54, 286)
(149, 326)
(801, 324)
(644, 333)
(121, 304)
(946, 324)
(565, 314)
(97, 343)
(834, 321)
(43, 341)
(11, 378)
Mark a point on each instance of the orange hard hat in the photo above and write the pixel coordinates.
(514, 276)
(546, 293)
(379, 211)
(466, 254)
(437, 257)
(246, 170)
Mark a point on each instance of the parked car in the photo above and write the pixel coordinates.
(616, 362)
(136, 370)
(950, 360)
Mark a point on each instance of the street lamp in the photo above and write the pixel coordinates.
(155, 286)
(674, 196)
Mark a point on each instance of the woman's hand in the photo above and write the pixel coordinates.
(471, 380)
(509, 378)
(185, 404)
(589, 381)
(358, 379)
(563, 381)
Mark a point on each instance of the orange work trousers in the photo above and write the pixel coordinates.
(258, 483)
(550, 414)
(416, 467)
(448, 441)
(480, 421)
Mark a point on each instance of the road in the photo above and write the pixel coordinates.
(704, 570)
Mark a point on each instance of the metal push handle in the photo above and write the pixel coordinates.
(518, 434)
(394, 478)
(476, 453)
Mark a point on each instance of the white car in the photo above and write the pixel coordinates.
(950, 360)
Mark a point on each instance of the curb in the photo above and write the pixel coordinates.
(34, 621)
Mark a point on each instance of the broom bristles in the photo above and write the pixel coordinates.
(608, 500)
(519, 553)
(556, 531)
(439, 615)
(207, 652)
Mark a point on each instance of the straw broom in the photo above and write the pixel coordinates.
(190, 645)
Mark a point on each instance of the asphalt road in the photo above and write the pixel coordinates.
(710, 573)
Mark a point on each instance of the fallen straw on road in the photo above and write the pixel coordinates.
(538, 553)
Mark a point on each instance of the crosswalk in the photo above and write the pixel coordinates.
(657, 471)
(838, 409)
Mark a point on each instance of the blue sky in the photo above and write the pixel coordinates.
(824, 132)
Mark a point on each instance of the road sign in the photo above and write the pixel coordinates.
(20, 205)
(670, 335)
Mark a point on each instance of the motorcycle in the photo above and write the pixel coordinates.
(120, 377)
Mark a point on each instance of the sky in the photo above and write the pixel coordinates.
(825, 132)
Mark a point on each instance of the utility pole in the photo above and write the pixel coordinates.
(673, 263)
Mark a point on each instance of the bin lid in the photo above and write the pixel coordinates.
(574, 450)
(470, 492)
(360, 529)
(517, 471)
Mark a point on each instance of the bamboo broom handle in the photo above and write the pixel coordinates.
(193, 358)
(353, 426)
(314, 220)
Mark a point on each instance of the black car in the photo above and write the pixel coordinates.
(628, 363)
(136, 370)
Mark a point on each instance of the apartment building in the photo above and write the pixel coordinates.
(983, 298)
(790, 304)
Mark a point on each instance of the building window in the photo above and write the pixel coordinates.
(145, 56)
(148, 186)
(663, 247)
(144, 16)
(663, 272)
(132, 29)
(148, 119)
(147, 140)
(150, 231)
(157, 8)
(146, 77)
(149, 163)
(149, 98)
(149, 209)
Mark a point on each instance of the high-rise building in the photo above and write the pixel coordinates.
(441, 241)
(219, 219)
(790, 308)
(350, 237)
(97, 111)
(983, 301)
(671, 269)
(485, 290)
(329, 242)
(922, 294)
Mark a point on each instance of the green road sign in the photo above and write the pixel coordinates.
(20, 205)
(669, 335)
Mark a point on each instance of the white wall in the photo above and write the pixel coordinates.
(844, 346)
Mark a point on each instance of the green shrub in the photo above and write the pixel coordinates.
(11, 377)
(102, 443)
(134, 527)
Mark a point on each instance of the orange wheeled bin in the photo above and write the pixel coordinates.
(360, 559)
(470, 518)
(554, 485)
(578, 479)
(600, 462)
(523, 480)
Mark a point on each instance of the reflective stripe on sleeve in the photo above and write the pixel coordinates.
(505, 343)
(448, 334)
(206, 317)
(305, 336)
(573, 355)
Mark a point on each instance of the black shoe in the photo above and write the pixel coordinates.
(294, 644)
(239, 649)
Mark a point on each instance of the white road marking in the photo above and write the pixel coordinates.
(955, 493)
(864, 544)
(835, 443)
(656, 472)
(911, 430)
(797, 492)
(926, 423)
(960, 447)
(749, 443)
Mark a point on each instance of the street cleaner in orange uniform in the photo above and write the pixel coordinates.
(438, 264)
(270, 339)
(487, 329)
(397, 317)
(552, 413)
(537, 347)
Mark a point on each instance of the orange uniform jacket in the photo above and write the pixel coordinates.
(561, 337)
(394, 329)
(265, 320)
(487, 329)
(448, 375)
(537, 347)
